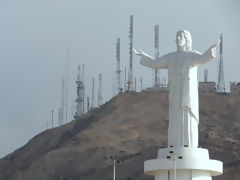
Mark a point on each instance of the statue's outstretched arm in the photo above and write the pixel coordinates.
(147, 60)
(206, 56)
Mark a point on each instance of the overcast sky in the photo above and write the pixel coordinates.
(35, 34)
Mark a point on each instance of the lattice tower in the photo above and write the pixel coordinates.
(118, 71)
(100, 97)
(221, 82)
(80, 94)
(130, 71)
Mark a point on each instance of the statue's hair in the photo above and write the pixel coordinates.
(188, 39)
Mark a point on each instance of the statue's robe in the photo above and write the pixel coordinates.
(183, 93)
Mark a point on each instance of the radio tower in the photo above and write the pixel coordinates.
(88, 106)
(93, 99)
(61, 110)
(156, 44)
(100, 97)
(125, 79)
(118, 71)
(130, 71)
(80, 95)
(221, 82)
(67, 83)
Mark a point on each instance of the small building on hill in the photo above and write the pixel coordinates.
(207, 86)
(234, 88)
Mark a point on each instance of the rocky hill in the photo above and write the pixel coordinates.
(130, 127)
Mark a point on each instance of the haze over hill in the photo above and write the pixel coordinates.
(131, 127)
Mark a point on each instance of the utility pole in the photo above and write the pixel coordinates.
(141, 83)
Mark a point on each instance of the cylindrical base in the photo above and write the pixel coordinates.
(183, 175)
(183, 163)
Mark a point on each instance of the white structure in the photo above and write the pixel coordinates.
(182, 159)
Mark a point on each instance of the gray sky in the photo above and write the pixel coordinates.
(35, 34)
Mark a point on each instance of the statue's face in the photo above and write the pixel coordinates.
(180, 40)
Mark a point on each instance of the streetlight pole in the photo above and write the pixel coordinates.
(114, 169)
(115, 162)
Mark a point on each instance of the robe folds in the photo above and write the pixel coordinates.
(183, 92)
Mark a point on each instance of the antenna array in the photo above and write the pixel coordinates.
(156, 45)
(118, 71)
(221, 82)
(130, 71)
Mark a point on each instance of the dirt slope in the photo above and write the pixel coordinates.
(132, 127)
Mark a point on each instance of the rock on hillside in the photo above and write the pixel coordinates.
(131, 127)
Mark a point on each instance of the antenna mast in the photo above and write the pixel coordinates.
(67, 82)
(100, 97)
(61, 110)
(88, 104)
(80, 94)
(93, 99)
(130, 71)
(221, 82)
(118, 71)
(156, 45)
(125, 79)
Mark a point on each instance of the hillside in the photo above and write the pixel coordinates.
(131, 127)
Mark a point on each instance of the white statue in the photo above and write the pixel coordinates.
(183, 88)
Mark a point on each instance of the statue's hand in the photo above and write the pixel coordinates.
(216, 44)
(137, 53)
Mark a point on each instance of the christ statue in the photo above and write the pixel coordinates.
(183, 88)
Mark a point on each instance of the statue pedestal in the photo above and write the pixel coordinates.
(186, 163)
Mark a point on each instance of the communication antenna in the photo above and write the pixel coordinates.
(221, 82)
(125, 79)
(83, 89)
(118, 71)
(100, 97)
(80, 94)
(88, 104)
(156, 45)
(61, 110)
(130, 71)
(135, 83)
(67, 82)
(93, 99)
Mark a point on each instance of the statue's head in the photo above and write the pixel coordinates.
(184, 41)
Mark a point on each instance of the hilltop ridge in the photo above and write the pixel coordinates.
(131, 126)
